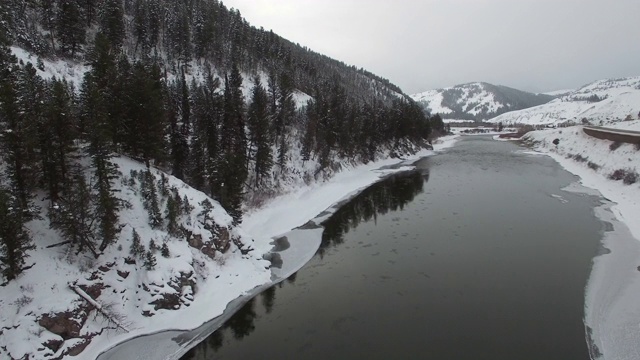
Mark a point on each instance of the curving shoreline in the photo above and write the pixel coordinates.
(303, 240)
(611, 315)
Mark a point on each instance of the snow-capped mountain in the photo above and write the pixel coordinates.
(477, 101)
(602, 101)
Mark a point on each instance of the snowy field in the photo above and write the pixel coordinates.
(600, 102)
(612, 309)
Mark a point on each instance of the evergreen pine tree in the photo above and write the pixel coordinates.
(197, 164)
(15, 239)
(284, 118)
(150, 199)
(164, 251)
(112, 22)
(148, 113)
(180, 131)
(70, 27)
(74, 216)
(121, 102)
(136, 249)
(100, 153)
(18, 133)
(141, 27)
(89, 9)
(258, 124)
(207, 141)
(311, 122)
(233, 147)
(171, 215)
(283, 149)
(60, 134)
(273, 94)
(186, 206)
(150, 261)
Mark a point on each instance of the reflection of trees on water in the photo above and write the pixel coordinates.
(292, 278)
(207, 348)
(268, 298)
(391, 194)
(241, 324)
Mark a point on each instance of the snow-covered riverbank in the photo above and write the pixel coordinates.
(595, 161)
(612, 309)
(278, 218)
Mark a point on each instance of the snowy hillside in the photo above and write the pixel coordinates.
(181, 273)
(74, 71)
(134, 138)
(600, 102)
(477, 101)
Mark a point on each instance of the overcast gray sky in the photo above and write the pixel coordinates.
(535, 45)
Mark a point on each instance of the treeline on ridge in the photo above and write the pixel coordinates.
(136, 100)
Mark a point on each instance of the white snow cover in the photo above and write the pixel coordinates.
(473, 100)
(127, 289)
(612, 309)
(621, 98)
(60, 69)
(433, 100)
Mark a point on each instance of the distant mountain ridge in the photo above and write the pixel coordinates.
(602, 101)
(477, 101)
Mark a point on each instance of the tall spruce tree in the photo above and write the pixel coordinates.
(310, 125)
(112, 22)
(233, 148)
(61, 133)
(70, 27)
(89, 10)
(180, 130)
(205, 153)
(15, 239)
(258, 124)
(104, 171)
(147, 113)
(141, 27)
(18, 135)
(74, 216)
(196, 165)
(284, 118)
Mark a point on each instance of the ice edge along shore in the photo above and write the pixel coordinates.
(282, 217)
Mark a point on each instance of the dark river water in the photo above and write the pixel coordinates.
(477, 255)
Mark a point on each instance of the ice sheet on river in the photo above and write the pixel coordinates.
(612, 305)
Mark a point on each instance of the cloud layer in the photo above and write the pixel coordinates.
(535, 45)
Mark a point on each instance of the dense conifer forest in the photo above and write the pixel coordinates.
(188, 87)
